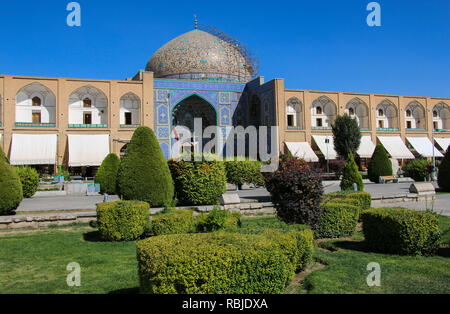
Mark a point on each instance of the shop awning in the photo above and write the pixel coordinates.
(88, 150)
(33, 149)
(423, 146)
(395, 147)
(302, 150)
(327, 149)
(444, 143)
(366, 148)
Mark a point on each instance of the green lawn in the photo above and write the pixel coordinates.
(35, 262)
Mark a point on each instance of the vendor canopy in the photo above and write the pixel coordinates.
(33, 149)
(423, 146)
(88, 150)
(395, 147)
(444, 143)
(302, 150)
(366, 148)
(326, 149)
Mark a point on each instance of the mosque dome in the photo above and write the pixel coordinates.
(199, 55)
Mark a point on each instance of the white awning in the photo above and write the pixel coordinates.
(444, 143)
(423, 146)
(302, 150)
(33, 149)
(395, 147)
(88, 150)
(326, 149)
(366, 148)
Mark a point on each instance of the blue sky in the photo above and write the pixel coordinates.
(322, 45)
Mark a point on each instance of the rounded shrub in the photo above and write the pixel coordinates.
(296, 192)
(212, 263)
(198, 182)
(339, 219)
(444, 172)
(218, 219)
(143, 173)
(351, 175)
(122, 220)
(401, 231)
(416, 169)
(107, 174)
(379, 164)
(11, 193)
(29, 178)
(242, 172)
(173, 222)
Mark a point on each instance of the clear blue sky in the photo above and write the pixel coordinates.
(323, 45)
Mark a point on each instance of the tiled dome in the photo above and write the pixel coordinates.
(199, 55)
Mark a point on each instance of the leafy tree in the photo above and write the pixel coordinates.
(144, 174)
(347, 135)
(444, 172)
(107, 174)
(379, 164)
(351, 175)
(29, 178)
(11, 193)
(417, 169)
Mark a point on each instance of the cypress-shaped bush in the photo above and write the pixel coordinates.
(379, 165)
(11, 193)
(29, 178)
(143, 174)
(107, 174)
(351, 175)
(444, 172)
(346, 135)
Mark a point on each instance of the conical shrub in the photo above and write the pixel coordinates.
(379, 165)
(144, 174)
(444, 172)
(11, 193)
(107, 174)
(351, 175)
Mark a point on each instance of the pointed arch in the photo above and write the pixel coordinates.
(294, 109)
(323, 112)
(415, 116)
(130, 109)
(441, 116)
(358, 109)
(387, 115)
(88, 105)
(35, 104)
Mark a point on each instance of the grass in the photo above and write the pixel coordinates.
(35, 262)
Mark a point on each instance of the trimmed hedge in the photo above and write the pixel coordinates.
(214, 263)
(338, 219)
(122, 220)
(107, 174)
(379, 164)
(173, 222)
(143, 174)
(351, 175)
(401, 231)
(218, 219)
(244, 171)
(361, 199)
(29, 178)
(198, 182)
(417, 169)
(11, 193)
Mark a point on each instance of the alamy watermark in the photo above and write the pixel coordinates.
(374, 278)
(74, 278)
(374, 17)
(74, 17)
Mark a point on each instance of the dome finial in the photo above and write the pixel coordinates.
(196, 21)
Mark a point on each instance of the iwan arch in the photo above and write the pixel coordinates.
(198, 75)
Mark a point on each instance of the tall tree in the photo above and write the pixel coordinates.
(347, 135)
(444, 172)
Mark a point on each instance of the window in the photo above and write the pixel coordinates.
(87, 103)
(351, 111)
(380, 112)
(36, 117)
(290, 120)
(319, 110)
(319, 123)
(408, 125)
(435, 125)
(36, 101)
(381, 124)
(408, 113)
(128, 118)
(87, 118)
(435, 114)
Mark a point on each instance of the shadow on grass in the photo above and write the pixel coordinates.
(93, 236)
(444, 251)
(359, 246)
(125, 291)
